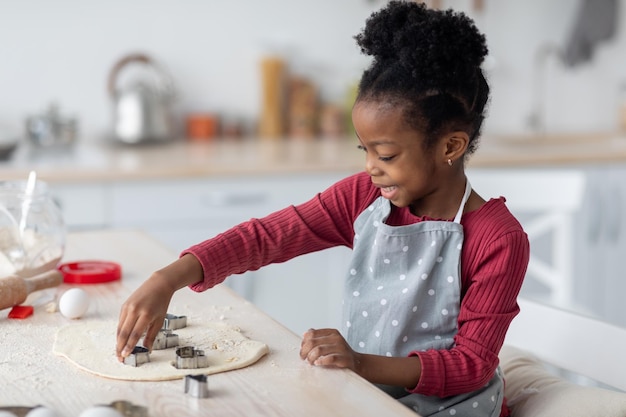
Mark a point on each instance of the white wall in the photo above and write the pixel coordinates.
(63, 50)
(583, 98)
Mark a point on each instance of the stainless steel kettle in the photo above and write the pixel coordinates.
(142, 111)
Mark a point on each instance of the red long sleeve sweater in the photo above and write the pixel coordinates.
(493, 264)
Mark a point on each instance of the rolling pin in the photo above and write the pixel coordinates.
(14, 290)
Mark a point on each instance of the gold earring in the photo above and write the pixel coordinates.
(449, 161)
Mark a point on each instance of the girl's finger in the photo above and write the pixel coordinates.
(151, 333)
(129, 334)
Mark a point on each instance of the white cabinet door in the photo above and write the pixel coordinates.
(305, 292)
(601, 244)
(83, 206)
(615, 248)
(302, 293)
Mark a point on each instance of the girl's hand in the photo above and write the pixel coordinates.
(143, 313)
(145, 310)
(326, 347)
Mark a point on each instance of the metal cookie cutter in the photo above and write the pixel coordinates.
(165, 339)
(19, 411)
(138, 356)
(173, 322)
(128, 409)
(197, 386)
(187, 357)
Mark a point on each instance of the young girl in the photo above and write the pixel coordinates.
(436, 270)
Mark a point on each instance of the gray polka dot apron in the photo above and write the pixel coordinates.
(403, 294)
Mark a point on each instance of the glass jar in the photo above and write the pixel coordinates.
(32, 230)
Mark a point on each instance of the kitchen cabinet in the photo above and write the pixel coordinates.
(82, 205)
(573, 214)
(186, 191)
(306, 292)
(600, 243)
(302, 293)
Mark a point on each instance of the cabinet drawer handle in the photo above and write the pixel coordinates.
(218, 199)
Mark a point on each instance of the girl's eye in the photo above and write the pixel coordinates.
(380, 158)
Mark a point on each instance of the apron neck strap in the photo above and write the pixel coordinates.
(468, 190)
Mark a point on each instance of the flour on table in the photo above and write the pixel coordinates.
(90, 345)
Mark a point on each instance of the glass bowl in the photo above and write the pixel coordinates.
(32, 230)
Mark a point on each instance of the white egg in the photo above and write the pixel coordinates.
(7, 414)
(42, 412)
(74, 303)
(100, 411)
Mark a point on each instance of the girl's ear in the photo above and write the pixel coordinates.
(454, 146)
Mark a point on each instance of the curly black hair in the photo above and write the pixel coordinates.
(427, 61)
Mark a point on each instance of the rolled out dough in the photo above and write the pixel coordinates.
(89, 344)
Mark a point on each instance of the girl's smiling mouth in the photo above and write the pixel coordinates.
(388, 192)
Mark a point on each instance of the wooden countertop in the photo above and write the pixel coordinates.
(183, 159)
(280, 384)
(550, 150)
(101, 161)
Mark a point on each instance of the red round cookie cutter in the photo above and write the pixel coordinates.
(90, 272)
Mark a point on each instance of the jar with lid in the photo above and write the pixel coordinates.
(32, 230)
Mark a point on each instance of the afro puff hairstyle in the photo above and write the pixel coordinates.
(428, 62)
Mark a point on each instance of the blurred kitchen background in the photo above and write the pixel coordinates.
(63, 52)
(223, 76)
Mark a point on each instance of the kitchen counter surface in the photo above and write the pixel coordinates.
(100, 161)
(279, 384)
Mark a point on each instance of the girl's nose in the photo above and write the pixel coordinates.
(371, 167)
